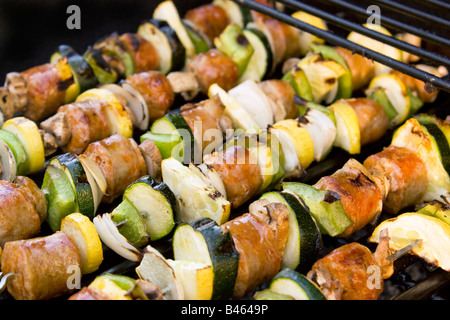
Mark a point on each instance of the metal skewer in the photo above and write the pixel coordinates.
(405, 250)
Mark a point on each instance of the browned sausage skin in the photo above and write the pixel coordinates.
(21, 202)
(406, 173)
(46, 86)
(121, 162)
(210, 20)
(156, 91)
(373, 121)
(144, 52)
(360, 195)
(41, 266)
(239, 172)
(260, 237)
(214, 67)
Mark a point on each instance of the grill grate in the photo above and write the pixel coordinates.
(330, 17)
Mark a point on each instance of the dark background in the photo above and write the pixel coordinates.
(31, 30)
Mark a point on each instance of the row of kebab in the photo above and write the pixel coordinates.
(75, 120)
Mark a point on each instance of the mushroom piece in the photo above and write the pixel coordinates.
(184, 83)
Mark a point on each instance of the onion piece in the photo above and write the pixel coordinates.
(8, 163)
(96, 190)
(110, 236)
(96, 172)
(141, 104)
(254, 100)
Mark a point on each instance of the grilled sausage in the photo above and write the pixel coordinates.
(33, 194)
(87, 122)
(360, 195)
(352, 272)
(373, 121)
(239, 172)
(204, 120)
(156, 91)
(120, 160)
(406, 173)
(46, 86)
(18, 206)
(362, 68)
(281, 94)
(214, 67)
(41, 266)
(343, 273)
(259, 238)
(144, 53)
(210, 20)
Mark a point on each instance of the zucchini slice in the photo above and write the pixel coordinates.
(197, 278)
(304, 239)
(171, 52)
(167, 11)
(175, 125)
(260, 64)
(83, 73)
(204, 241)
(155, 268)
(60, 195)
(27, 132)
(74, 170)
(156, 203)
(198, 199)
(410, 226)
(17, 149)
(324, 206)
(440, 131)
(290, 282)
(236, 13)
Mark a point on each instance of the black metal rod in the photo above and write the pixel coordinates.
(415, 13)
(427, 287)
(433, 80)
(439, 4)
(424, 34)
(351, 26)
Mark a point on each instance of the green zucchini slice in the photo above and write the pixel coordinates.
(204, 241)
(74, 170)
(171, 52)
(304, 239)
(296, 285)
(156, 203)
(175, 125)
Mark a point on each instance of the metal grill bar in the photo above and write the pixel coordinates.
(424, 34)
(403, 9)
(351, 26)
(439, 4)
(432, 80)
